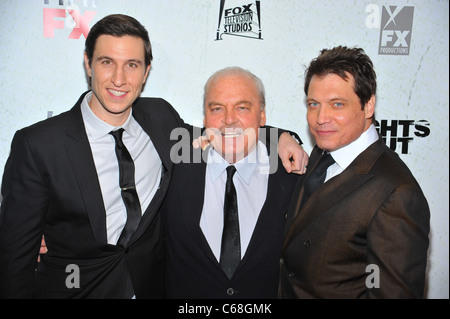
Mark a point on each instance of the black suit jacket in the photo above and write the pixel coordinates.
(371, 221)
(50, 187)
(193, 271)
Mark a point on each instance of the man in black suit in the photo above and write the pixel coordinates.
(194, 212)
(62, 179)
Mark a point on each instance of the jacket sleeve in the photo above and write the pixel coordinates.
(22, 218)
(398, 244)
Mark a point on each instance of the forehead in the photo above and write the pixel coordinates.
(231, 87)
(331, 83)
(332, 79)
(122, 46)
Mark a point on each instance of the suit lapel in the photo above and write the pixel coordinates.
(152, 126)
(154, 129)
(192, 203)
(333, 191)
(277, 193)
(81, 159)
(299, 189)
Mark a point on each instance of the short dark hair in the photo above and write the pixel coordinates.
(342, 60)
(118, 25)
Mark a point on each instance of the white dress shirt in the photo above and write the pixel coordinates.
(146, 161)
(250, 180)
(347, 154)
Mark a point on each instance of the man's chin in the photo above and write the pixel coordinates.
(232, 156)
(228, 145)
(325, 146)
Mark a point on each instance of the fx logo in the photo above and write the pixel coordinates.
(73, 19)
(396, 30)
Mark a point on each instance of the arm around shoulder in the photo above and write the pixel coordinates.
(293, 157)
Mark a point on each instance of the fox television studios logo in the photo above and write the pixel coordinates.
(240, 19)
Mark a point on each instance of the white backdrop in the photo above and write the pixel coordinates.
(41, 70)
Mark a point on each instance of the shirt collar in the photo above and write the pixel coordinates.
(245, 168)
(98, 128)
(345, 155)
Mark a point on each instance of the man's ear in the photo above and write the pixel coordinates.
(369, 108)
(86, 65)
(147, 73)
(263, 118)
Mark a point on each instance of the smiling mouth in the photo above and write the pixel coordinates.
(232, 133)
(116, 93)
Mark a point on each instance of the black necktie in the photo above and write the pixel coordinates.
(317, 177)
(128, 188)
(230, 254)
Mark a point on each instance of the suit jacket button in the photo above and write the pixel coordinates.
(307, 243)
(230, 291)
(291, 274)
(281, 261)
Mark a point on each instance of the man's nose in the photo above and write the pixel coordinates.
(323, 115)
(230, 117)
(118, 78)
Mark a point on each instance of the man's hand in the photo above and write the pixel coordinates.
(292, 155)
(204, 140)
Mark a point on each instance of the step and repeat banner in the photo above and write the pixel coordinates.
(42, 72)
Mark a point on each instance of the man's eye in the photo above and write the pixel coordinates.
(313, 104)
(132, 65)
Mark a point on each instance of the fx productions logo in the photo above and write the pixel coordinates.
(239, 18)
(398, 134)
(66, 14)
(395, 28)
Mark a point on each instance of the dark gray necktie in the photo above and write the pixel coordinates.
(128, 188)
(317, 177)
(230, 253)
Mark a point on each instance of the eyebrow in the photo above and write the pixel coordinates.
(330, 100)
(338, 99)
(105, 57)
(212, 103)
(243, 102)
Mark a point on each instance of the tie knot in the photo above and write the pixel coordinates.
(230, 171)
(318, 175)
(326, 160)
(117, 134)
